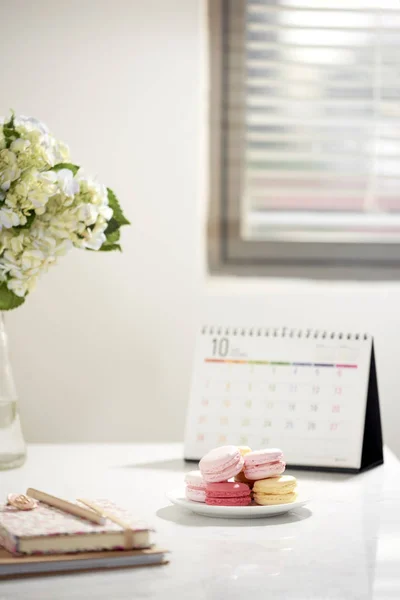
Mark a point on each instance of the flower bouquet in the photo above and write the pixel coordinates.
(47, 206)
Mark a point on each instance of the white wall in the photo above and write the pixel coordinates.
(102, 350)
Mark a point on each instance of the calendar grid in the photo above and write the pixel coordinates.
(302, 390)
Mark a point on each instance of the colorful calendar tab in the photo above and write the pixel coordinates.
(277, 363)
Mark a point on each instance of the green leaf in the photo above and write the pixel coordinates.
(118, 215)
(112, 226)
(113, 237)
(110, 243)
(9, 300)
(11, 120)
(110, 248)
(9, 131)
(70, 166)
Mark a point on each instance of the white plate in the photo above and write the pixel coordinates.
(253, 511)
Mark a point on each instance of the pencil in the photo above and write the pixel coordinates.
(105, 514)
(67, 507)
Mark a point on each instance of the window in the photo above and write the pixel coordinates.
(305, 126)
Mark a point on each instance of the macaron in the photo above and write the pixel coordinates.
(221, 464)
(275, 490)
(244, 450)
(195, 486)
(228, 493)
(264, 463)
(241, 477)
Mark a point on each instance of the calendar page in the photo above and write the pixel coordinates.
(304, 391)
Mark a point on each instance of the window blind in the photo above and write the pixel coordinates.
(312, 103)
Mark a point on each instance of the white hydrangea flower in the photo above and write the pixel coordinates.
(9, 169)
(20, 145)
(20, 287)
(44, 150)
(96, 236)
(10, 264)
(29, 255)
(9, 218)
(31, 261)
(45, 188)
(57, 151)
(106, 212)
(17, 244)
(93, 212)
(31, 124)
(63, 210)
(67, 183)
(62, 247)
(32, 191)
(87, 213)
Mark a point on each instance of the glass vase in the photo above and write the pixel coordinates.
(12, 443)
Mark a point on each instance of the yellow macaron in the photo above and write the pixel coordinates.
(275, 490)
(244, 450)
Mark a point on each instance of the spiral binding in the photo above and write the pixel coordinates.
(282, 332)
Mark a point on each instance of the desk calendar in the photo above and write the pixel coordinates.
(312, 393)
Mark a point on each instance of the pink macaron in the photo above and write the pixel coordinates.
(228, 493)
(221, 464)
(262, 464)
(195, 486)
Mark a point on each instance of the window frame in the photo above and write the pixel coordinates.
(228, 251)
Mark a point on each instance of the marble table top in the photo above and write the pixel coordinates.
(345, 545)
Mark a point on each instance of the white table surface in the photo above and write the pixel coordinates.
(345, 545)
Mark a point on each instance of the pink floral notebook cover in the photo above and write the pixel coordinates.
(34, 530)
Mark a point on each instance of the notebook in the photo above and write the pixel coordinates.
(311, 392)
(17, 566)
(49, 530)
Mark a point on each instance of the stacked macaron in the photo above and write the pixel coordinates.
(265, 469)
(275, 490)
(262, 464)
(228, 493)
(195, 486)
(217, 467)
(221, 464)
(257, 474)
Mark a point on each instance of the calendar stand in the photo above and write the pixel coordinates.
(312, 393)
(372, 453)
